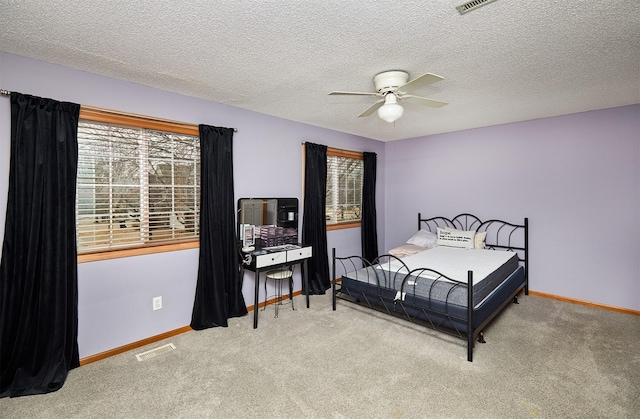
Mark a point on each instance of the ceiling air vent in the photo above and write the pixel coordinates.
(472, 5)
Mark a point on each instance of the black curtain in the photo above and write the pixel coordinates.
(39, 270)
(219, 288)
(369, 231)
(314, 223)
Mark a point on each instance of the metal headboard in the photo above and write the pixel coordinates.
(501, 235)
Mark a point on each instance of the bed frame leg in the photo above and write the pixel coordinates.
(515, 300)
(470, 330)
(481, 338)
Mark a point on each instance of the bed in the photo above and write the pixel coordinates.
(447, 267)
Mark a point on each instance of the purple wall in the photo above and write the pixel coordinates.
(115, 301)
(577, 178)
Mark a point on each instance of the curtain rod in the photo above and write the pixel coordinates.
(8, 93)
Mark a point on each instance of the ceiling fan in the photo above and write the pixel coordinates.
(393, 87)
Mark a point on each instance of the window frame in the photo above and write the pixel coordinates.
(358, 155)
(115, 117)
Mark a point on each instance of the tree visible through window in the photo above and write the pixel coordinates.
(344, 187)
(135, 186)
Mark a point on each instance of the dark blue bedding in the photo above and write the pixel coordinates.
(440, 312)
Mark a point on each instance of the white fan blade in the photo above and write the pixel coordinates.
(423, 101)
(419, 82)
(354, 93)
(371, 109)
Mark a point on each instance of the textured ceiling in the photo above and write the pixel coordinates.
(507, 61)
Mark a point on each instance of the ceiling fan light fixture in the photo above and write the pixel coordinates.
(390, 111)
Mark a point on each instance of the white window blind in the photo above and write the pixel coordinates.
(344, 189)
(135, 186)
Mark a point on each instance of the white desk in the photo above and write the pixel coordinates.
(273, 258)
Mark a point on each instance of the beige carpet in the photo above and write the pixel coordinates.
(543, 359)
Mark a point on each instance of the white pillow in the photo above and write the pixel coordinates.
(423, 238)
(455, 238)
(479, 239)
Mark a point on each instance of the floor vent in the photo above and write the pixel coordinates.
(472, 5)
(155, 352)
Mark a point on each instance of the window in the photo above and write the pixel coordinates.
(344, 188)
(138, 183)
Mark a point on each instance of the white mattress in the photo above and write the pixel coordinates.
(455, 262)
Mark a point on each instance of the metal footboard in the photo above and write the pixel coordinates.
(387, 285)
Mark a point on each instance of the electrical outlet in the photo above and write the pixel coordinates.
(157, 303)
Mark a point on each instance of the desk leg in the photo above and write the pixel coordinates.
(256, 277)
(305, 278)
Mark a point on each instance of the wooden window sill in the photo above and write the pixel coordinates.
(340, 226)
(147, 250)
